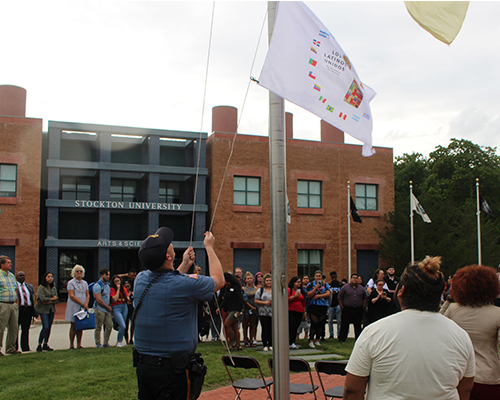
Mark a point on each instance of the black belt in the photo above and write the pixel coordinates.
(7, 302)
(155, 360)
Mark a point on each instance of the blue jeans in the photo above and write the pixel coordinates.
(338, 316)
(47, 320)
(120, 315)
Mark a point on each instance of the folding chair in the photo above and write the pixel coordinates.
(331, 368)
(246, 383)
(300, 365)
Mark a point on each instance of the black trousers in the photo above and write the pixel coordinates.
(317, 314)
(24, 320)
(267, 330)
(161, 383)
(350, 316)
(294, 320)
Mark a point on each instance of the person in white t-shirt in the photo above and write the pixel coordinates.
(417, 353)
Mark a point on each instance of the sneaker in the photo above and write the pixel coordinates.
(98, 345)
(266, 348)
(106, 345)
(120, 344)
(270, 348)
(39, 348)
(47, 348)
(317, 343)
(311, 345)
(293, 346)
(254, 342)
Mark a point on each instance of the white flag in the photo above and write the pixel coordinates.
(306, 66)
(415, 206)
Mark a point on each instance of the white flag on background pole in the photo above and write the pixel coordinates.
(306, 66)
(415, 206)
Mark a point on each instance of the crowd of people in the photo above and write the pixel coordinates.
(21, 305)
(467, 356)
(312, 305)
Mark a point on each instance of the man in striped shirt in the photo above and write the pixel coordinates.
(8, 306)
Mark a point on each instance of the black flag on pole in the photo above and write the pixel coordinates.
(354, 212)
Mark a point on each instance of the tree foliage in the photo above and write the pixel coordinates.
(445, 185)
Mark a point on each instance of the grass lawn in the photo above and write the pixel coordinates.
(94, 373)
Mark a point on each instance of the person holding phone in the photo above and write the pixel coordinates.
(379, 302)
(318, 293)
(119, 298)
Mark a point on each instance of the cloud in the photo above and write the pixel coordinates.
(476, 125)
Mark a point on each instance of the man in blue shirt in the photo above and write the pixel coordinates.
(166, 323)
(102, 309)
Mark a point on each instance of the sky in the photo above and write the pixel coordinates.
(144, 64)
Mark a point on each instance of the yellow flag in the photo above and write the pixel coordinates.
(442, 19)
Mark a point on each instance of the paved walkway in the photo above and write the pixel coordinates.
(228, 393)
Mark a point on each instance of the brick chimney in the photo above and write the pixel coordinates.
(12, 101)
(289, 125)
(331, 134)
(224, 119)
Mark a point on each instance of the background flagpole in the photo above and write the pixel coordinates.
(411, 224)
(349, 228)
(478, 213)
(279, 249)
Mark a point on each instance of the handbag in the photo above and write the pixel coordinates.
(88, 322)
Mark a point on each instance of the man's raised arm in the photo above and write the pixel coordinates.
(214, 264)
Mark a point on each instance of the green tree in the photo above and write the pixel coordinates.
(445, 185)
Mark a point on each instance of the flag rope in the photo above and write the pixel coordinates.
(201, 124)
(222, 339)
(238, 123)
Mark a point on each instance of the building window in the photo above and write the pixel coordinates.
(170, 192)
(309, 194)
(123, 190)
(309, 262)
(246, 191)
(8, 180)
(366, 197)
(73, 188)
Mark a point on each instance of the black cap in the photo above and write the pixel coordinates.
(154, 248)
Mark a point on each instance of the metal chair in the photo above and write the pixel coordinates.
(246, 383)
(300, 365)
(331, 368)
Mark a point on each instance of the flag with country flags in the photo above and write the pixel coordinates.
(305, 62)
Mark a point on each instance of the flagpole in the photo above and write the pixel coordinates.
(279, 250)
(411, 223)
(349, 228)
(478, 213)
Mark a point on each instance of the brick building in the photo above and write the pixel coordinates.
(317, 176)
(20, 165)
(108, 187)
(105, 188)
